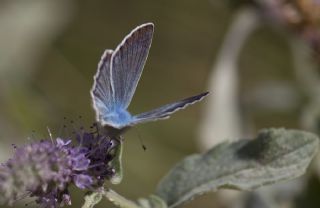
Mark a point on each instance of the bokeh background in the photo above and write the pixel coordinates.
(49, 52)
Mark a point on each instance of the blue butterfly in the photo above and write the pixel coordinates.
(116, 80)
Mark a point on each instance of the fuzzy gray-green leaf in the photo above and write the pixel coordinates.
(275, 155)
(92, 199)
(152, 201)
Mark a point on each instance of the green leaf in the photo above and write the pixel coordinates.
(92, 199)
(116, 163)
(275, 155)
(152, 202)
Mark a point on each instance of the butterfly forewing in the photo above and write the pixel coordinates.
(127, 63)
(102, 92)
(166, 110)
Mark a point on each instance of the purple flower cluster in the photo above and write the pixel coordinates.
(100, 152)
(46, 169)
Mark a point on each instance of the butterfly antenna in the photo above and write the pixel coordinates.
(140, 139)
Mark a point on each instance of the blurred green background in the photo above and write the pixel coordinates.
(49, 51)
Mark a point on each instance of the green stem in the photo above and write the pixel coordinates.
(92, 199)
(119, 200)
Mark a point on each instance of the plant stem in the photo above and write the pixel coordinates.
(119, 200)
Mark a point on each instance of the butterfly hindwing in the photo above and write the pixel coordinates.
(166, 110)
(127, 63)
(102, 92)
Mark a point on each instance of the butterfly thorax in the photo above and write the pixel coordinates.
(118, 118)
(116, 122)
